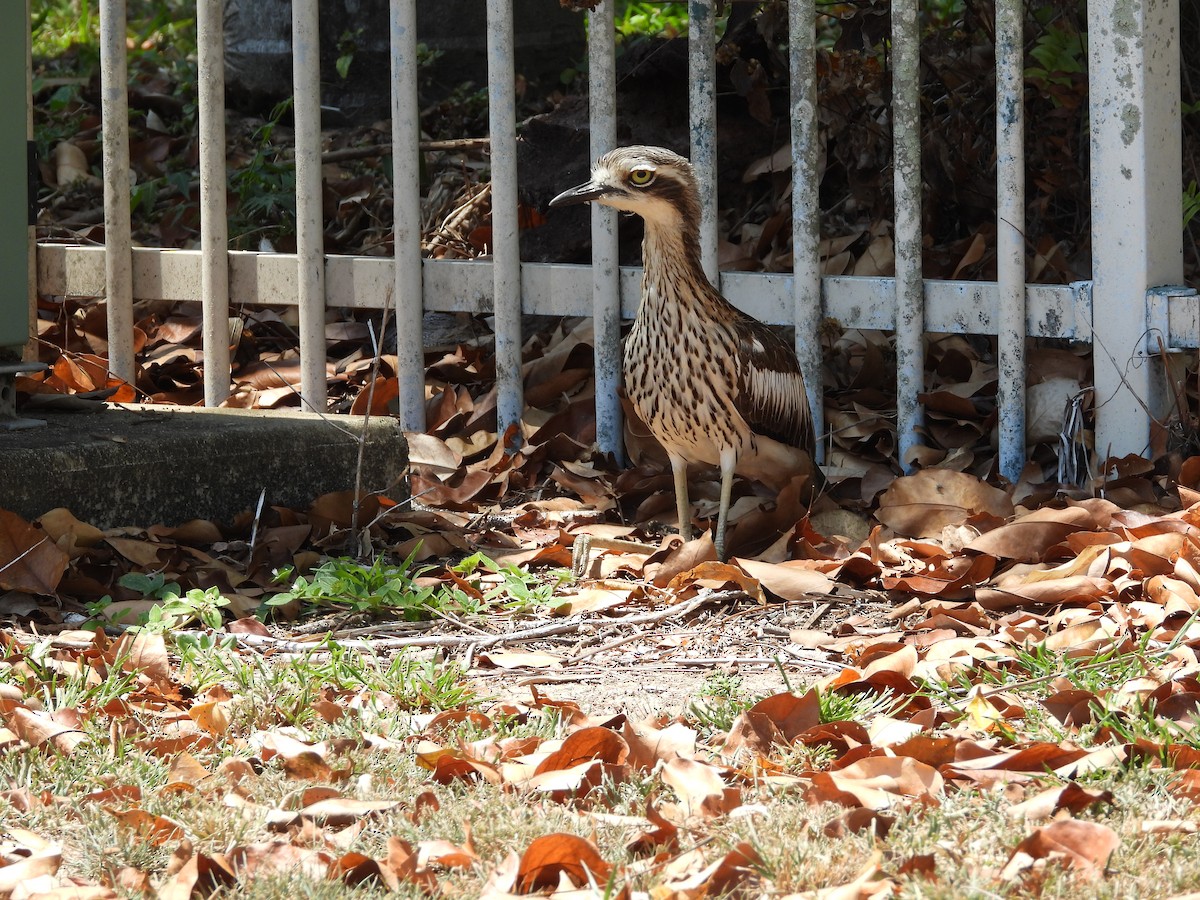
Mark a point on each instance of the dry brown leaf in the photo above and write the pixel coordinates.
(158, 830)
(520, 659)
(145, 652)
(664, 834)
(1083, 846)
(448, 854)
(701, 789)
(186, 769)
(921, 505)
(38, 729)
(29, 559)
(25, 855)
(876, 782)
(587, 745)
(715, 575)
(553, 855)
(280, 858)
(62, 526)
(1078, 589)
(778, 719)
(1070, 797)
(788, 582)
(212, 716)
(1028, 538)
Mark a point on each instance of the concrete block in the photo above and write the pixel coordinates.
(142, 465)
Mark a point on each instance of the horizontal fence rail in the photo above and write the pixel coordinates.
(1136, 235)
(361, 282)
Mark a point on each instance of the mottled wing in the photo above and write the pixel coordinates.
(771, 395)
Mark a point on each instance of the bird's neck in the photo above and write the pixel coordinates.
(673, 271)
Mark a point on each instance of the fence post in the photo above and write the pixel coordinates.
(606, 275)
(214, 222)
(702, 123)
(118, 256)
(506, 249)
(1137, 215)
(806, 209)
(910, 285)
(408, 294)
(1010, 233)
(310, 221)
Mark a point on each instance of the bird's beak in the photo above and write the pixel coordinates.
(584, 193)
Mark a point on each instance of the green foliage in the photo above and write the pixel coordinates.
(199, 604)
(1191, 203)
(347, 46)
(161, 31)
(836, 706)
(173, 609)
(349, 585)
(61, 25)
(265, 189)
(720, 700)
(1060, 53)
(382, 587)
(641, 20)
(940, 14)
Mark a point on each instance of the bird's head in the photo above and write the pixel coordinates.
(656, 184)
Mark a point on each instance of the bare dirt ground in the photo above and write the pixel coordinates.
(659, 669)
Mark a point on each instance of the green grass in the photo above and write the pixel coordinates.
(969, 834)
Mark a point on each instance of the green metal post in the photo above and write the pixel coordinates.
(14, 185)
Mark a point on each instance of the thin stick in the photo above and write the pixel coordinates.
(363, 540)
(466, 145)
(553, 629)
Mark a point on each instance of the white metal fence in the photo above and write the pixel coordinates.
(1133, 299)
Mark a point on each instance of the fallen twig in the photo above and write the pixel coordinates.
(466, 145)
(538, 632)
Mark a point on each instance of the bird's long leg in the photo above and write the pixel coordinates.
(728, 462)
(679, 469)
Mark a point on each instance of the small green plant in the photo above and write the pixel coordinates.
(518, 590)
(719, 701)
(204, 605)
(173, 608)
(1191, 203)
(349, 585)
(384, 587)
(1060, 53)
(265, 188)
(836, 706)
(642, 20)
(347, 46)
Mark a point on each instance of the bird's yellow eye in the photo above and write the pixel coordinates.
(641, 177)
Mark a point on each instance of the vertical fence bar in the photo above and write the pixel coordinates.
(30, 352)
(806, 211)
(214, 224)
(702, 123)
(606, 294)
(1137, 188)
(1010, 232)
(118, 256)
(310, 239)
(906, 161)
(506, 251)
(406, 215)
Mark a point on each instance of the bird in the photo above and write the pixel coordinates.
(714, 385)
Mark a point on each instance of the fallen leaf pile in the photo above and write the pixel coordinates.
(936, 619)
